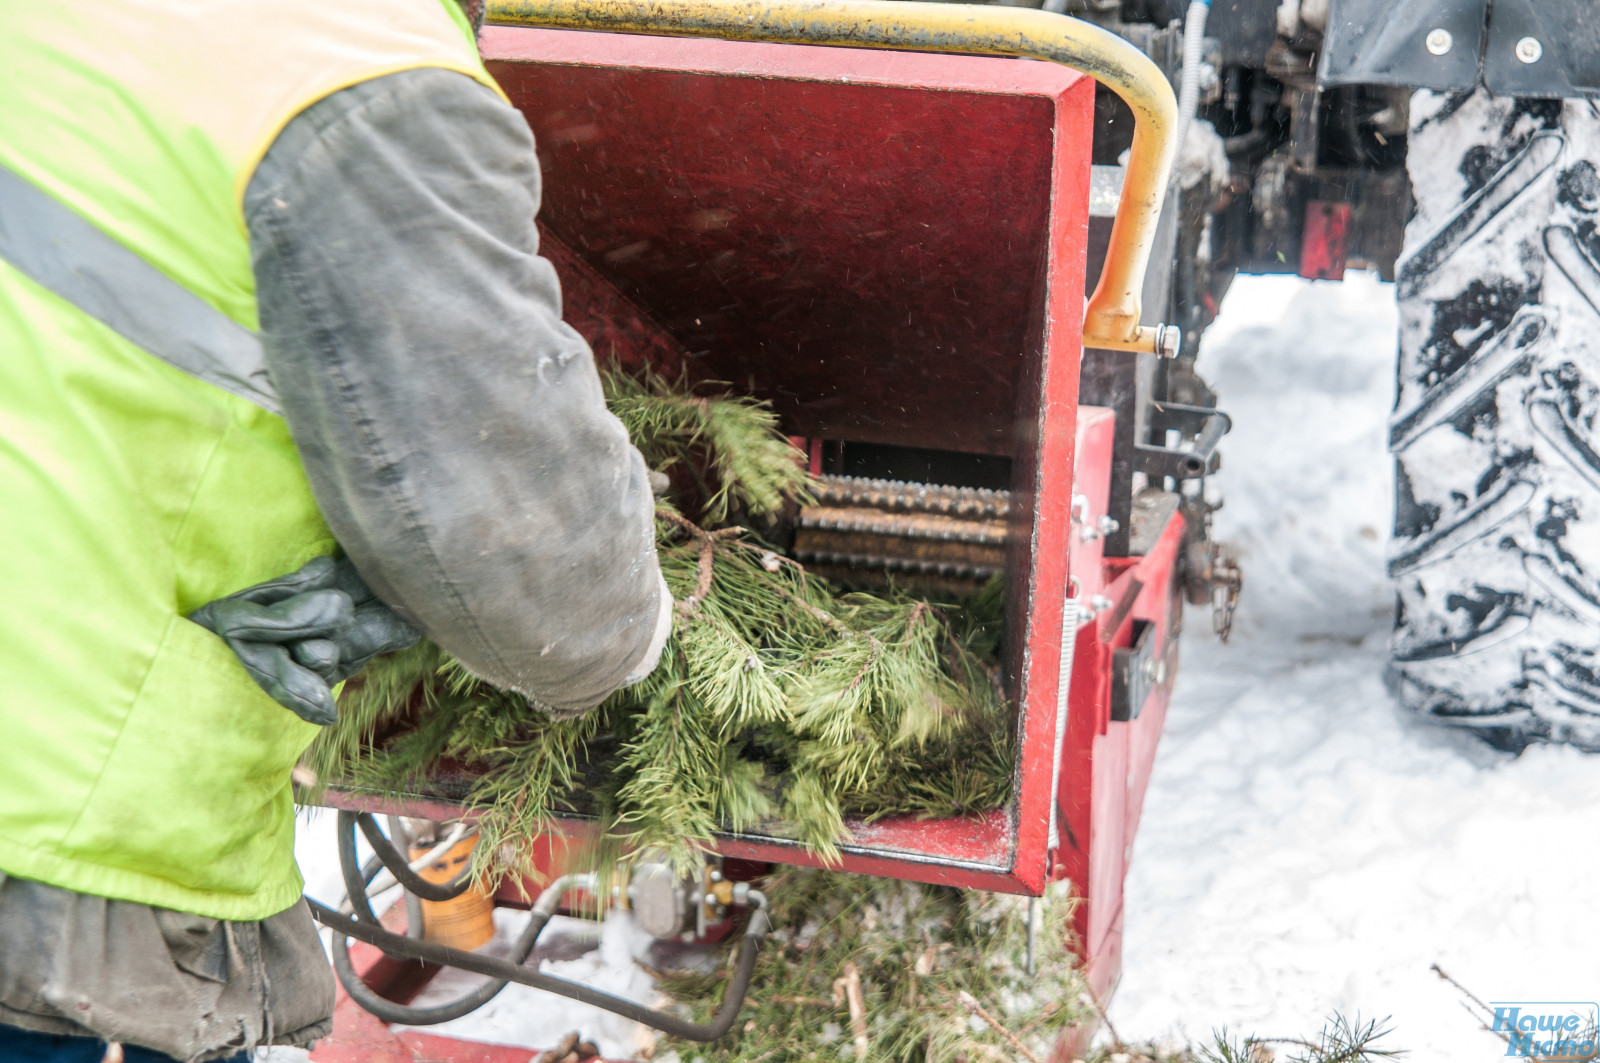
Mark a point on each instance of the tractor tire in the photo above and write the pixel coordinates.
(1496, 552)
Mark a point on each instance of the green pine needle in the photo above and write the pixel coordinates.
(917, 949)
(780, 705)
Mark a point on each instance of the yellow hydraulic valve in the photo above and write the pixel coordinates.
(465, 921)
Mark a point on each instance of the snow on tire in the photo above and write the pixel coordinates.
(1496, 555)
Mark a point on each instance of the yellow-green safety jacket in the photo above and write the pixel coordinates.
(144, 469)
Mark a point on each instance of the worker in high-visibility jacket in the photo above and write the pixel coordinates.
(273, 330)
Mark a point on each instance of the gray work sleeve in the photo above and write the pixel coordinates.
(451, 424)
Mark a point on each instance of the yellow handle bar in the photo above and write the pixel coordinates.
(1112, 317)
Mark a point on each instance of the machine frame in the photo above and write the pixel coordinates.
(1097, 657)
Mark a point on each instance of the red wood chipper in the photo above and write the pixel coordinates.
(883, 219)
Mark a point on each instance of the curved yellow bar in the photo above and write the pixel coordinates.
(1112, 317)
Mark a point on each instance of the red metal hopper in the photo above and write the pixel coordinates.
(891, 248)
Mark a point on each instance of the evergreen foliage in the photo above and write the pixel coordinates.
(917, 950)
(1341, 1040)
(728, 444)
(780, 704)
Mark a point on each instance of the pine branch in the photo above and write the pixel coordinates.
(779, 704)
(752, 463)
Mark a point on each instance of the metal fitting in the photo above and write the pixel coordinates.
(1090, 529)
(1529, 50)
(1169, 340)
(1438, 41)
(662, 900)
(550, 898)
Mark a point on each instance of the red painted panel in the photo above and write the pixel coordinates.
(431, 1048)
(1110, 762)
(839, 225)
(929, 211)
(1106, 820)
(1324, 244)
(617, 328)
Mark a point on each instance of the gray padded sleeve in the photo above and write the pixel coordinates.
(452, 425)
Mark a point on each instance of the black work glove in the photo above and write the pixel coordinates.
(300, 634)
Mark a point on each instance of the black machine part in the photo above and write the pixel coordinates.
(362, 924)
(1539, 48)
(1430, 44)
(1464, 133)
(1167, 426)
(1310, 100)
(1136, 670)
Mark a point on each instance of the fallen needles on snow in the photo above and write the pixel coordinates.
(847, 991)
(1087, 999)
(1340, 1041)
(969, 1002)
(1569, 1049)
(1488, 1012)
(918, 954)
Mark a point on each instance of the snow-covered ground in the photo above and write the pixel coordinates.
(1304, 849)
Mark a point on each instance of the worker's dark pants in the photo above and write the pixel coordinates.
(25, 1046)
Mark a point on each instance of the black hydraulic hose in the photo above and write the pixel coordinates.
(396, 945)
(414, 917)
(362, 994)
(405, 1014)
(399, 867)
(356, 875)
(355, 880)
(364, 926)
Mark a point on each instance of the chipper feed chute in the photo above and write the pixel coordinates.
(890, 246)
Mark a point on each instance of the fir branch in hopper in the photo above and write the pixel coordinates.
(751, 464)
(779, 704)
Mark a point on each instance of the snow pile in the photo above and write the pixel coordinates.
(1303, 847)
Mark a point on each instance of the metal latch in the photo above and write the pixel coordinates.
(1226, 580)
(1205, 424)
(1136, 670)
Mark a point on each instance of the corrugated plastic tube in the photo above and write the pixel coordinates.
(1194, 38)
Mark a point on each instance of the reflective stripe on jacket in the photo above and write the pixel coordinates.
(137, 758)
